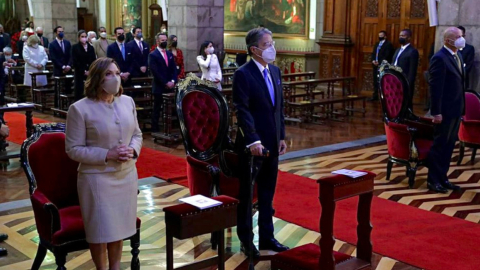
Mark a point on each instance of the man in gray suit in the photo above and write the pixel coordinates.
(100, 45)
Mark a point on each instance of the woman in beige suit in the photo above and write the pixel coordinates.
(102, 134)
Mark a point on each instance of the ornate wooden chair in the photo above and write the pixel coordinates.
(212, 165)
(469, 133)
(322, 257)
(409, 137)
(52, 178)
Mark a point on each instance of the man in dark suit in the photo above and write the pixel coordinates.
(447, 90)
(4, 39)
(121, 54)
(406, 57)
(60, 53)
(43, 40)
(383, 50)
(130, 35)
(164, 72)
(139, 53)
(468, 54)
(258, 101)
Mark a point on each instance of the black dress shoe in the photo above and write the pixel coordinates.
(3, 252)
(246, 250)
(3, 237)
(449, 185)
(436, 187)
(272, 244)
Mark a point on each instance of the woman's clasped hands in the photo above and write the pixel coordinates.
(120, 153)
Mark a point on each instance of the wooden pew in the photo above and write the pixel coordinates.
(63, 96)
(168, 136)
(43, 96)
(308, 75)
(142, 95)
(17, 91)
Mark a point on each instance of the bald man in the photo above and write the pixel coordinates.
(447, 88)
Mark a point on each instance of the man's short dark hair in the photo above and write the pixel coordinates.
(462, 28)
(101, 27)
(408, 32)
(384, 32)
(135, 29)
(56, 28)
(254, 36)
(117, 28)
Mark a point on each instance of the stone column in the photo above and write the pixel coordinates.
(194, 21)
(465, 13)
(51, 13)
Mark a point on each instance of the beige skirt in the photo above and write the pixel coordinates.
(109, 204)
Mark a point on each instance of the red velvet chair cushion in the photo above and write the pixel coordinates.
(202, 119)
(472, 107)
(185, 208)
(306, 257)
(54, 171)
(71, 226)
(398, 142)
(392, 89)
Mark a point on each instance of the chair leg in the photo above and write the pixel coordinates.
(474, 153)
(411, 176)
(60, 260)
(135, 244)
(462, 153)
(389, 169)
(214, 240)
(41, 252)
(221, 249)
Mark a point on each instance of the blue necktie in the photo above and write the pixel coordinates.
(378, 50)
(269, 86)
(123, 51)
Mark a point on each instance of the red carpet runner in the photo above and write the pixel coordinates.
(421, 238)
(17, 124)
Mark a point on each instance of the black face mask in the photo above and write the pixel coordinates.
(402, 41)
(121, 37)
(174, 44)
(381, 38)
(163, 45)
(40, 35)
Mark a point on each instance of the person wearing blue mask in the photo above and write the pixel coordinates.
(139, 54)
(60, 53)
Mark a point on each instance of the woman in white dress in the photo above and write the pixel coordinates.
(35, 60)
(102, 134)
(208, 62)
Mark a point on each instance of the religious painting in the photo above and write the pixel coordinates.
(282, 17)
(132, 13)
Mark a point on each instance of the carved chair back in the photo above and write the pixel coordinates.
(393, 93)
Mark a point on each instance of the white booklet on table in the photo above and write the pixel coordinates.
(201, 201)
(350, 173)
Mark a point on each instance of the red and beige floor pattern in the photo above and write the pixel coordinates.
(23, 238)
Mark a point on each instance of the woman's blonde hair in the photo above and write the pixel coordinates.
(96, 76)
(33, 39)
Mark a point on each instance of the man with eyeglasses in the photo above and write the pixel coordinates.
(258, 101)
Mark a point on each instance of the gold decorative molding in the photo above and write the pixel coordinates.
(192, 79)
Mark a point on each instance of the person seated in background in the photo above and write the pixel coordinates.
(177, 54)
(208, 62)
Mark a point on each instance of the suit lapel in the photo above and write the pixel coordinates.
(261, 81)
(452, 61)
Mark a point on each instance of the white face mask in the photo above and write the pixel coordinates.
(103, 35)
(24, 38)
(8, 57)
(460, 43)
(210, 50)
(112, 84)
(269, 54)
(93, 39)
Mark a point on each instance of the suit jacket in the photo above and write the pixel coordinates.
(20, 48)
(162, 74)
(258, 119)
(139, 58)
(468, 54)
(408, 61)
(82, 59)
(5, 41)
(99, 50)
(385, 53)
(113, 51)
(90, 133)
(447, 86)
(45, 42)
(58, 57)
(129, 37)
